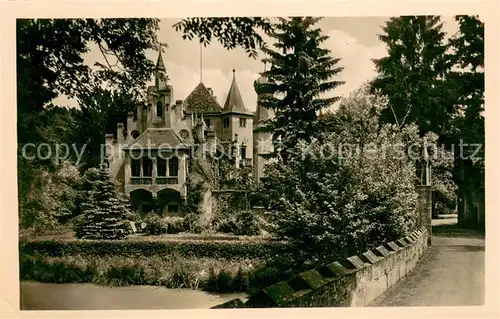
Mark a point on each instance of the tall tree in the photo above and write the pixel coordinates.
(412, 75)
(438, 83)
(299, 77)
(50, 61)
(467, 81)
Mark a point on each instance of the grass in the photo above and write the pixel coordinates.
(69, 234)
(172, 272)
(454, 230)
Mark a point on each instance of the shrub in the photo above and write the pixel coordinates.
(239, 223)
(46, 196)
(174, 225)
(150, 248)
(329, 199)
(192, 224)
(155, 225)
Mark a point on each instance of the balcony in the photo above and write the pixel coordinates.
(167, 180)
(141, 180)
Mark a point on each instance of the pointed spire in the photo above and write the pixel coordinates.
(201, 63)
(234, 101)
(160, 66)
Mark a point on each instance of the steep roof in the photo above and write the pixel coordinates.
(159, 63)
(234, 102)
(156, 137)
(201, 100)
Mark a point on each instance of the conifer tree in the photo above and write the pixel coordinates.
(412, 75)
(104, 209)
(300, 75)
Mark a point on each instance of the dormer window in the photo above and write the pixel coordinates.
(159, 109)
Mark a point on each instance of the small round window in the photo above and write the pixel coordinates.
(135, 134)
(184, 134)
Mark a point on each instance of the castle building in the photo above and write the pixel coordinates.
(150, 155)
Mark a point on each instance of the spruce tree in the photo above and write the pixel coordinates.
(412, 75)
(104, 209)
(300, 75)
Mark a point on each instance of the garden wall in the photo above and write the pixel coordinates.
(355, 281)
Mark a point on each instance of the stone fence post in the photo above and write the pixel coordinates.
(424, 209)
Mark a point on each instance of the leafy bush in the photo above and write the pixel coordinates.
(49, 201)
(192, 224)
(327, 201)
(239, 223)
(175, 225)
(155, 225)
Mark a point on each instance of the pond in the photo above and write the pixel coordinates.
(45, 296)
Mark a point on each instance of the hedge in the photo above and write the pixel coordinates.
(189, 249)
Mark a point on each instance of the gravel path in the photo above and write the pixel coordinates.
(44, 296)
(450, 273)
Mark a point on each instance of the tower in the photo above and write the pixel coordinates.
(158, 112)
(262, 141)
(238, 126)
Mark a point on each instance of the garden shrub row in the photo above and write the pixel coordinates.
(173, 272)
(188, 249)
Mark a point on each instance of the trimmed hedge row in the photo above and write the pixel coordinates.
(188, 249)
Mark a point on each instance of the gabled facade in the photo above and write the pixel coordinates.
(150, 154)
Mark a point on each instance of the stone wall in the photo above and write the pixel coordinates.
(355, 281)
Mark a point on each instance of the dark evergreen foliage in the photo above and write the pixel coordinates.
(105, 211)
(413, 73)
(300, 73)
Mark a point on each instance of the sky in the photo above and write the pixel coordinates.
(352, 39)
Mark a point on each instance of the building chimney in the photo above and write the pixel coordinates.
(109, 149)
(120, 133)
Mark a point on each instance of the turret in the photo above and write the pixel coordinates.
(237, 120)
(262, 141)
